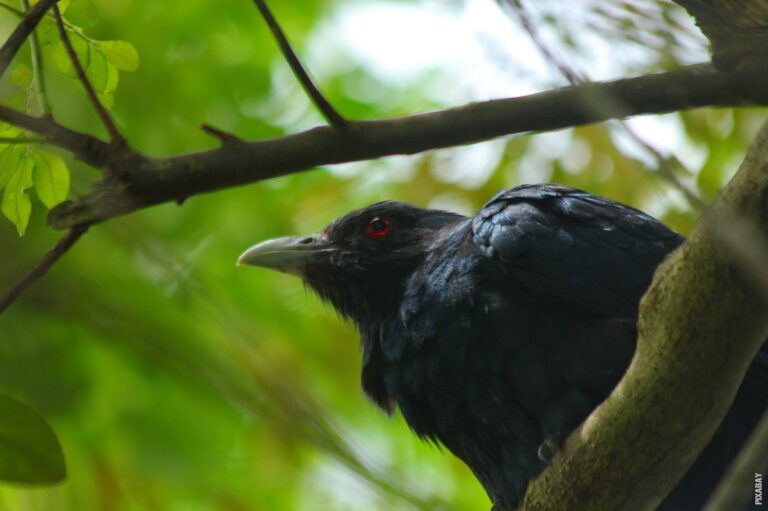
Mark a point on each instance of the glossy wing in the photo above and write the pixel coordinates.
(582, 248)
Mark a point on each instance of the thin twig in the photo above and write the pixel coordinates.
(224, 136)
(114, 134)
(569, 73)
(322, 104)
(37, 69)
(668, 169)
(61, 248)
(736, 488)
(25, 27)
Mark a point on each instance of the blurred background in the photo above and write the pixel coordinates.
(176, 381)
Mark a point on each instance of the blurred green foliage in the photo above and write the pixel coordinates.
(29, 450)
(176, 381)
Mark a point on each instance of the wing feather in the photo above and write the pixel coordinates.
(582, 248)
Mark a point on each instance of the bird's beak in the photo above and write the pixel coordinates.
(288, 255)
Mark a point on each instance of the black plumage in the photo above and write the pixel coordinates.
(497, 335)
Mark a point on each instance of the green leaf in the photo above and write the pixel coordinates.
(8, 130)
(10, 159)
(47, 31)
(98, 72)
(16, 204)
(21, 76)
(82, 13)
(121, 54)
(107, 99)
(29, 449)
(63, 5)
(51, 178)
(112, 78)
(62, 60)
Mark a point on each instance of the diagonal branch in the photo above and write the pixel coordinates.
(668, 168)
(148, 181)
(635, 447)
(322, 104)
(62, 247)
(114, 134)
(519, 11)
(25, 27)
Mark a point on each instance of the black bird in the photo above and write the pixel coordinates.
(497, 335)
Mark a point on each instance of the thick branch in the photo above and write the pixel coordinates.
(62, 247)
(638, 444)
(144, 181)
(22, 31)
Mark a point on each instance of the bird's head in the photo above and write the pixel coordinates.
(360, 262)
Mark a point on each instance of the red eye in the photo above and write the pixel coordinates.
(379, 228)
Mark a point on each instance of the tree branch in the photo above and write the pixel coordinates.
(114, 133)
(25, 27)
(323, 105)
(667, 168)
(62, 247)
(635, 447)
(223, 136)
(146, 181)
(85, 147)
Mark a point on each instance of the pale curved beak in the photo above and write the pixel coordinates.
(291, 254)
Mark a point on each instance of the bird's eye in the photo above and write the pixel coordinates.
(379, 228)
